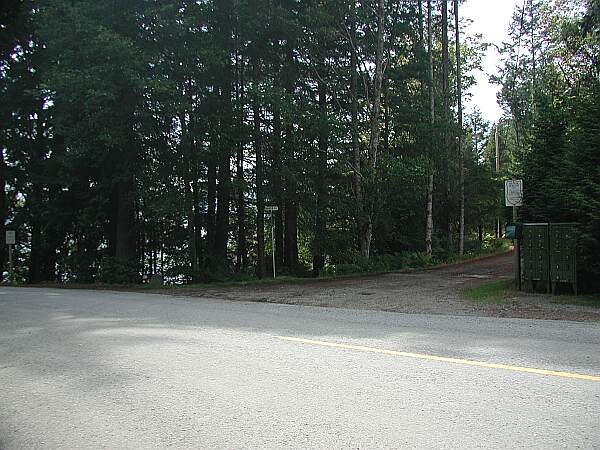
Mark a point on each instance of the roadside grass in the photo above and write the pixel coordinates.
(593, 300)
(493, 292)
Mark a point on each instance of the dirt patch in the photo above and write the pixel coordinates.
(434, 291)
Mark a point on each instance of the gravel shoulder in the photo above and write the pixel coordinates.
(433, 291)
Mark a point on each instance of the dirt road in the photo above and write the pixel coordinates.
(434, 291)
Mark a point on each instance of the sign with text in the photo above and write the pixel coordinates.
(513, 192)
(11, 237)
(271, 208)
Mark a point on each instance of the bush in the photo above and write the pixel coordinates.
(118, 271)
(379, 263)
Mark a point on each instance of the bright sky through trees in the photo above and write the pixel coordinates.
(490, 18)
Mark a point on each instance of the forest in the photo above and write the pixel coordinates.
(145, 137)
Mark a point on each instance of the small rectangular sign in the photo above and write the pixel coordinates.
(11, 237)
(513, 192)
(271, 208)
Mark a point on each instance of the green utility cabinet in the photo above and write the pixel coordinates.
(535, 255)
(549, 255)
(563, 254)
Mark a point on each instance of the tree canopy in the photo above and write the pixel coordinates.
(145, 137)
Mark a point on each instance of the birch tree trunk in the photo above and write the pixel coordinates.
(446, 121)
(357, 182)
(430, 184)
(367, 229)
(242, 253)
(260, 199)
(461, 238)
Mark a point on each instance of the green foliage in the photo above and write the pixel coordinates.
(553, 133)
(380, 263)
(354, 263)
(133, 137)
(118, 271)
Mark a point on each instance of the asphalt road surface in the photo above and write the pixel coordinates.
(92, 369)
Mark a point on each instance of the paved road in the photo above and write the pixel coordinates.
(82, 369)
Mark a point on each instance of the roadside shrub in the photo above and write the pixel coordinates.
(118, 271)
(416, 259)
(344, 269)
(379, 263)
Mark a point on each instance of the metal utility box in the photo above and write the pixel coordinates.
(535, 254)
(563, 254)
(510, 232)
(514, 231)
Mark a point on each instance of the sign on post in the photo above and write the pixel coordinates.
(513, 196)
(271, 208)
(11, 237)
(513, 192)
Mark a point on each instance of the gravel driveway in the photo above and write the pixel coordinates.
(433, 291)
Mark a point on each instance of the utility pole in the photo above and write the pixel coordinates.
(273, 242)
(497, 171)
(461, 162)
(497, 150)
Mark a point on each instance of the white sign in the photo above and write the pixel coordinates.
(11, 237)
(513, 192)
(271, 208)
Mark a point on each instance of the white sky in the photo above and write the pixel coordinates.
(490, 18)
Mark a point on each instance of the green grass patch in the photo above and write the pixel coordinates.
(592, 301)
(494, 292)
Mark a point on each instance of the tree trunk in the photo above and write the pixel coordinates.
(321, 186)
(188, 180)
(197, 216)
(446, 122)
(260, 200)
(211, 208)
(125, 239)
(421, 32)
(191, 227)
(242, 253)
(357, 182)
(367, 229)
(223, 196)
(277, 191)
(386, 116)
(430, 182)
(290, 244)
(461, 242)
(377, 87)
(3, 214)
(42, 265)
(35, 259)
(224, 12)
(291, 236)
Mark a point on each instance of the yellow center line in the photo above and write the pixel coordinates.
(467, 362)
